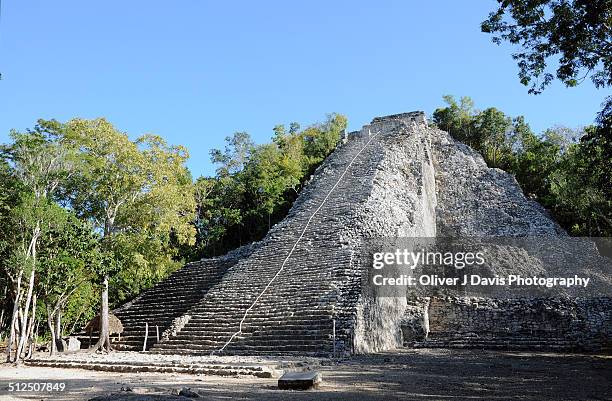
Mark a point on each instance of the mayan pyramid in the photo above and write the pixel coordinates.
(300, 290)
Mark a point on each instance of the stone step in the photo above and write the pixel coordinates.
(194, 330)
(257, 319)
(297, 339)
(509, 343)
(301, 330)
(250, 352)
(188, 368)
(278, 349)
(288, 317)
(140, 315)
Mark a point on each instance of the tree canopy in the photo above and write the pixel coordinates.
(137, 194)
(575, 36)
(255, 185)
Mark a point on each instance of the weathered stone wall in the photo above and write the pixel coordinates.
(474, 201)
(401, 204)
(415, 322)
(583, 323)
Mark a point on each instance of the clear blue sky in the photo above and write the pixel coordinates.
(197, 71)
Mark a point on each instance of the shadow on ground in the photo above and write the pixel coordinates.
(406, 375)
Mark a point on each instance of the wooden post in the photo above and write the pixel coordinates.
(157, 332)
(334, 336)
(144, 344)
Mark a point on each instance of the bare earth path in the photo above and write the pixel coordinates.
(406, 375)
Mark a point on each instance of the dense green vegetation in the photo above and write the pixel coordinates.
(254, 186)
(566, 170)
(89, 218)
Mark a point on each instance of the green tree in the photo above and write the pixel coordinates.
(535, 159)
(69, 256)
(563, 137)
(218, 209)
(40, 163)
(255, 185)
(490, 129)
(575, 32)
(321, 139)
(238, 150)
(583, 185)
(456, 119)
(10, 196)
(270, 174)
(137, 194)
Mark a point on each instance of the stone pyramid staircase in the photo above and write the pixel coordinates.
(298, 311)
(168, 300)
(297, 291)
(171, 366)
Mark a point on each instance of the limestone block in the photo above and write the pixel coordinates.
(299, 380)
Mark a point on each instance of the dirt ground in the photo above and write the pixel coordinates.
(405, 375)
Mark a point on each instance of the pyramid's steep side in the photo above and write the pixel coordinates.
(486, 206)
(481, 203)
(304, 279)
(475, 200)
(401, 204)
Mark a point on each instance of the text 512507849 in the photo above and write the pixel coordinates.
(36, 387)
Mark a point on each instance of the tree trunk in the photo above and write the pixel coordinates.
(4, 296)
(12, 329)
(76, 321)
(103, 343)
(51, 330)
(24, 320)
(1, 321)
(10, 340)
(33, 339)
(30, 329)
(31, 257)
(14, 334)
(58, 330)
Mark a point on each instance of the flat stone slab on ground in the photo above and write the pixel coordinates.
(299, 380)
